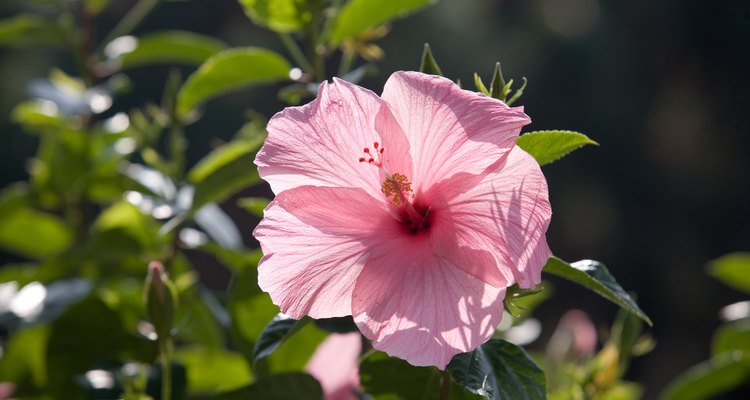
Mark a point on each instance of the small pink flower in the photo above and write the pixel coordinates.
(335, 365)
(412, 212)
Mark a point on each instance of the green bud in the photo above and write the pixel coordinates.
(161, 299)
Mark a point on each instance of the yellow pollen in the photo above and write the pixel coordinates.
(396, 187)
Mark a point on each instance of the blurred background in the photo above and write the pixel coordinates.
(661, 85)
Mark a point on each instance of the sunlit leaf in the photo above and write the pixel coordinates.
(213, 370)
(224, 171)
(550, 146)
(24, 30)
(24, 230)
(359, 15)
(731, 337)
(499, 370)
(24, 356)
(250, 309)
(289, 386)
(710, 378)
(733, 270)
(167, 47)
(284, 16)
(228, 71)
(595, 276)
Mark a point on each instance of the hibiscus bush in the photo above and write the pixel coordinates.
(400, 231)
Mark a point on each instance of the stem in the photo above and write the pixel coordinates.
(166, 368)
(319, 72)
(297, 54)
(131, 20)
(445, 385)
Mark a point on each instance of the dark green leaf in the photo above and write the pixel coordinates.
(179, 382)
(275, 333)
(595, 276)
(359, 15)
(337, 324)
(253, 205)
(389, 378)
(27, 30)
(250, 310)
(229, 71)
(732, 336)
(290, 386)
(168, 47)
(283, 16)
(428, 64)
(499, 370)
(710, 378)
(213, 370)
(626, 330)
(733, 270)
(549, 146)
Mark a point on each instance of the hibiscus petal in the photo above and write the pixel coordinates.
(315, 241)
(506, 211)
(419, 307)
(320, 143)
(450, 130)
(335, 365)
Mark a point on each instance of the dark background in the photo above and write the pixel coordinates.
(661, 85)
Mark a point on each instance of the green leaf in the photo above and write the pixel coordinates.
(30, 232)
(253, 205)
(499, 370)
(595, 276)
(290, 386)
(359, 15)
(285, 16)
(550, 146)
(228, 71)
(224, 171)
(390, 378)
(295, 352)
(710, 378)
(733, 270)
(731, 336)
(428, 64)
(250, 309)
(167, 47)
(213, 370)
(280, 328)
(24, 30)
(24, 357)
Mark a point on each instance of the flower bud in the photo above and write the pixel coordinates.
(161, 299)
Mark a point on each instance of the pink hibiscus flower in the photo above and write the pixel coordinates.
(412, 212)
(335, 365)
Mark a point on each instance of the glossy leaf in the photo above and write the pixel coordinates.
(37, 303)
(275, 333)
(596, 277)
(213, 370)
(388, 378)
(499, 370)
(219, 226)
(283, 16)
(224, 171)
(290, 386)
(24, 30)
(733, 270)
(359, 15)
(428, 64)
(228, 71)
(550, 146)
(167, 47)
(710, 378)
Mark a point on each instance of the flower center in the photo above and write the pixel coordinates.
(397, 189)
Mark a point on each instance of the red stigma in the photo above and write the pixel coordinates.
(361, 159)
(375, 145)
(367, 149)
(373, 157)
